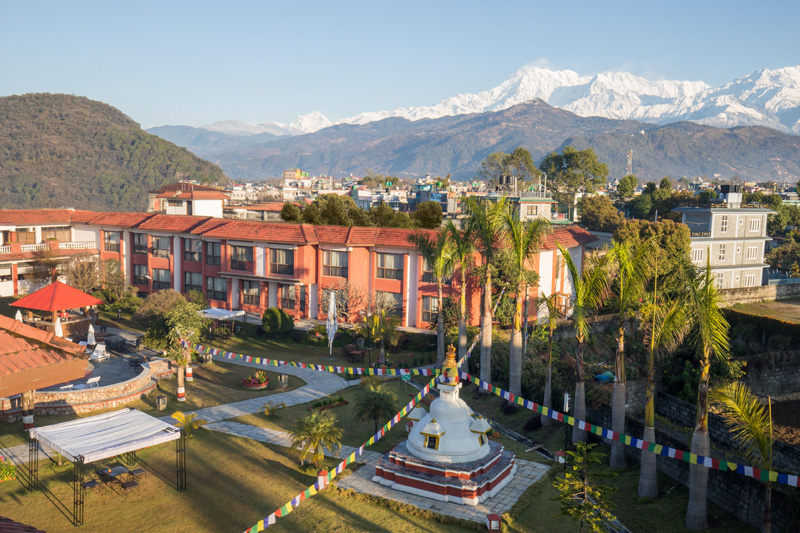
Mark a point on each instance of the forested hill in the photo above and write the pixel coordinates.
(59, 150)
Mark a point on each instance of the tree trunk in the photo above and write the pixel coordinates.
(439, 332)
(548, 395)
(525, 325)
(648, 480)
(383, 354)
(767, 526)
(181, 385)
(486, 331)
(579, 435)
(515, 355)
(696, 513)
(28, 401)
(618, 459)
(462, 322)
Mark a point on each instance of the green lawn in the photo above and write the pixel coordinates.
(354, 432)
(214, 384)
(788, 310)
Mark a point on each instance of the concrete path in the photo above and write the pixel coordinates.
(318, 385)
(278, 438)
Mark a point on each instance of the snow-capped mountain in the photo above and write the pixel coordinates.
(765, 98)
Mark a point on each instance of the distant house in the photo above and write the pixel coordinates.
(730, 236)
(184, 198)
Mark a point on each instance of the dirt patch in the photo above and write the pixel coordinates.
(786, 421)
(788, 310)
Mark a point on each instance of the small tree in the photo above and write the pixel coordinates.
(83, 272)
(184, 324)
(581, 499)
(318, 430)
(428, 215)
(598, 213)
(189, 423)
(751, 426)
(271, 322)
(291, 213)
(155, 306)
(375, 403)
(349, 299)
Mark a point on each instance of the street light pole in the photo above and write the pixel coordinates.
(369, 340)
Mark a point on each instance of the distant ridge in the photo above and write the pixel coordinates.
(59, 150)
(457, 144)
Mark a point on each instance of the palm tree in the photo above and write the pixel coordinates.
(437, 251)
(463, 248)
(628, 286)
(384, 331)
(549, 304)
(666, 327)
(751, 426)
(589, 287)
(711, 340)
(313, 433)
(375, 403)
(184, 325)
(524, 239)
(484, 226)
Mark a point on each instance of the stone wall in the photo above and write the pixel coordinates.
(88, 400)
(775, 374)
(737, 494)
(758, 294)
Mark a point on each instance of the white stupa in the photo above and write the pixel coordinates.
(448, 455)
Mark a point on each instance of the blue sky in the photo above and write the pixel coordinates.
(198, 62)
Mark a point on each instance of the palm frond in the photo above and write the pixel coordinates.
(748, 421)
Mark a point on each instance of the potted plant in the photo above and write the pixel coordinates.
(258, 381)
(8, 470)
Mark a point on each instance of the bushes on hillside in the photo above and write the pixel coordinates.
(276, 322)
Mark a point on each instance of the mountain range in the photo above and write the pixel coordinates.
(766, 97)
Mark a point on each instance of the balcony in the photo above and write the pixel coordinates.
(83, 245)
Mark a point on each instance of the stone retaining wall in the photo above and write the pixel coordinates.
(88, 400)
(758, 294)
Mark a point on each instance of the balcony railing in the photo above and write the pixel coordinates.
(5, 249)
(35, 247)
(700, 234)
(84, 245)
(543, 195)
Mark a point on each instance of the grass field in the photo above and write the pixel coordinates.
(214, 384)
(788, 310)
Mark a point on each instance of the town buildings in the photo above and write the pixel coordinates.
(730, 236)
(254, 265)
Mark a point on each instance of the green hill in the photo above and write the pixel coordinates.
(60, 150)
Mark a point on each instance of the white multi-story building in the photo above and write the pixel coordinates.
(730, 236)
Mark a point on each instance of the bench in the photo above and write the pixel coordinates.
(92, 381)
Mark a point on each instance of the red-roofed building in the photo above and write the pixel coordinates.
(253, 265)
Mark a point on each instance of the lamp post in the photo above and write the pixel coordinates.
(368, 322)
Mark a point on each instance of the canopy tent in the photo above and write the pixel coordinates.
(215, 313)
(104, 436)
(99, 437)
(57, 297)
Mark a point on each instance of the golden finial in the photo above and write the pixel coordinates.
(450, 367)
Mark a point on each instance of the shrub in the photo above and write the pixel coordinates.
(7, 469)
(155, 305)
(509, 408)
(533, 423)
(287, 322)
(271, 322)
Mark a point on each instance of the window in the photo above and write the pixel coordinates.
(192, 250)
(161, 279)
(697, 255)
(723, 224)
(250, 294)
(395, 298)
(752, 252)
(722, 252)
(532, 210)
(175, 203)
(750, 280)
(192, 281)
(217, 289)
(755, 224)
(57, 233)
(720, 280)
(282, 262)
(111, 241)
(334, 264)
(288, 296)
(431, 442)
(213, 255)
(140, 274)
(427, 274)
(430, 309)
(160, 247)
(5, 272)
(241, 257)
(390, 266)
(140, 243)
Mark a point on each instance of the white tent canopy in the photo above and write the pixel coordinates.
(215, 313)
(104, 436)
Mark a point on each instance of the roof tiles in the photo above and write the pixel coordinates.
(176, 223)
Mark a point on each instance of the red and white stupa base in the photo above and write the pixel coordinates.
(448, 455)
(465, 483)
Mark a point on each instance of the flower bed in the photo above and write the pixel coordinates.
(8, 470)
(258, 381)
(328, 403)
